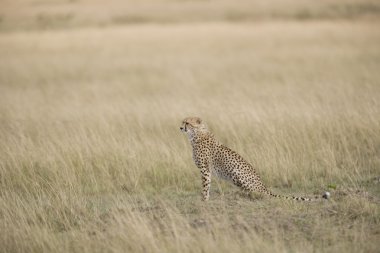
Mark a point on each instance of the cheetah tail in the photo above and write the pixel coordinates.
(326, 195)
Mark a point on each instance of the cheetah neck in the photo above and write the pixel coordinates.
(199, 137)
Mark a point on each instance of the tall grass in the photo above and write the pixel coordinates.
(92, 159)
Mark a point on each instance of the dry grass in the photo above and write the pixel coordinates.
(92, 160)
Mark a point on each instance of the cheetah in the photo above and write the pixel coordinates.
(212, 157)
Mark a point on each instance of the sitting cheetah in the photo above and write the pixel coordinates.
(210, 155)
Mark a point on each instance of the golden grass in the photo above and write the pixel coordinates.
(92, 159)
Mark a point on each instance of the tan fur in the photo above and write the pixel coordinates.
(210, 156)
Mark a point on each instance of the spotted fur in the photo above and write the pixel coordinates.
(210, 156)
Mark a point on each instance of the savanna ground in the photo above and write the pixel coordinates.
(91, 100)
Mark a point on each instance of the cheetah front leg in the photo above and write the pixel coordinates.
(201, 159)
(206, 182)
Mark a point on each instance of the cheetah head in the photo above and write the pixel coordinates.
(193, 125)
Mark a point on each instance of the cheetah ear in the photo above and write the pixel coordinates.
(198, 121)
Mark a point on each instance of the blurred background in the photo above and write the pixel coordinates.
(53, 14)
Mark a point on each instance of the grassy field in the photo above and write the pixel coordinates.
(91, 156)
